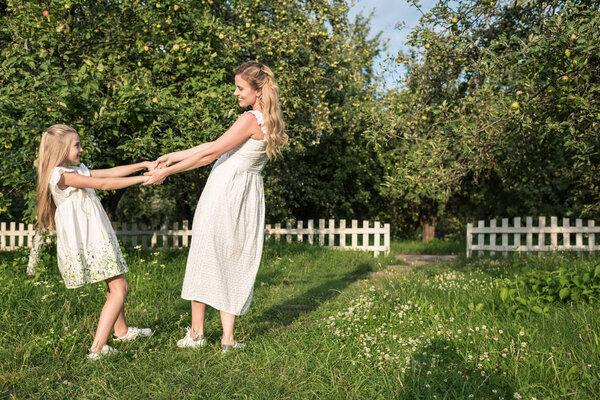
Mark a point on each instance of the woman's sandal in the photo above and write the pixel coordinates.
(228, 347)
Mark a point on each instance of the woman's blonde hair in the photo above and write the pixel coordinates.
(260, 77)
(54, 148)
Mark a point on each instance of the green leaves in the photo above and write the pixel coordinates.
(509, 94)
(564, 293)
(534, 288)
(138, 80)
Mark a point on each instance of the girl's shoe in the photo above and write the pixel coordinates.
(106, 350)
(132, 333)
(228, 347)
(188, 341)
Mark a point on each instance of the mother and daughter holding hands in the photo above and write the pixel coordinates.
(228, 227)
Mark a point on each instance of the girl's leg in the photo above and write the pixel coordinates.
(227, 320)
(121, 326)
(198, 312)
(113, 307)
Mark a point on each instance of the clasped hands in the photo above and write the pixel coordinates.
(157, 172)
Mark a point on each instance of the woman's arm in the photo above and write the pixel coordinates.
(239, 132)
(122, 170)
(81, 181)
(177, 156)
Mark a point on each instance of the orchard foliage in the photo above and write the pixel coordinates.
(498, 110)
(497, 114)
(140, 78)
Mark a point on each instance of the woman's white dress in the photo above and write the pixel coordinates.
(87, 247)
(228, 230)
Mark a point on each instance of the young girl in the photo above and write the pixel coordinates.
(228, 228)
(87, 247)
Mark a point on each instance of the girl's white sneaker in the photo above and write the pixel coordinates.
(132, 333)
(188, 341)
(106, 350)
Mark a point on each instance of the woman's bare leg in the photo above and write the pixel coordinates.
(228, 321)
(198, 312)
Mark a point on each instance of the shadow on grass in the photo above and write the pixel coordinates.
(287, 312)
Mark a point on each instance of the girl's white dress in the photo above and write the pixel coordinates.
(228, 230)
(87, 247)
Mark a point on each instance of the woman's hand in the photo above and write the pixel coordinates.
(156, 176)
(163, 161)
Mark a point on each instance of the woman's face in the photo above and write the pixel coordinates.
(246, 95)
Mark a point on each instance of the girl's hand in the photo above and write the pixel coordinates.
(150, 165)
(155, 177)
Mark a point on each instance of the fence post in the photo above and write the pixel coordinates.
(175, 234)
(591, 236)
(288, 226)
(553, 233)
(377, 242)
(480, 239)
(354, 233)
(504, 236)
(529, 225)
(469, 239)
(331, 237)
(2, 237)
(517, 237)
(185, 227)
(578, 236)
(12, 237)
(566, 234)
(386, 238)
(321, 233)
(541, 234)
(492, 238)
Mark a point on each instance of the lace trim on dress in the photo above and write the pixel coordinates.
(260, 121)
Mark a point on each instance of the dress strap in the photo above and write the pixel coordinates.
(259, 119)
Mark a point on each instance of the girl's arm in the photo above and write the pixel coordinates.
(122, 170)
(81, 181)
(239, 132)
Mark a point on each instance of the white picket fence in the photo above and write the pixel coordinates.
(371, 236)
(375, 238)
(534, 236)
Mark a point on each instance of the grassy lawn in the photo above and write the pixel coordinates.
(320, 326)
(435, 246)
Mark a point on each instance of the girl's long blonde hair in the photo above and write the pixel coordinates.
(260, 77)
(54, 148)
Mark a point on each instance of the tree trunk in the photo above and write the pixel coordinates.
(428, 225)
(110, 203)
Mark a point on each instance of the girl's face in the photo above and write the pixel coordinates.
(245, 94)
(75, 149)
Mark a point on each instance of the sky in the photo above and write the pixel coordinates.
(386, 15)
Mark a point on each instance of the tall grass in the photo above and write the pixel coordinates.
(320, 326)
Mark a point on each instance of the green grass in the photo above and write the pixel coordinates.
(320, 326)
(435, 246)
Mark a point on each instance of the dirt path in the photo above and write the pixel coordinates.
(411, 261)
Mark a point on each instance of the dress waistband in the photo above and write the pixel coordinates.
(244, 164)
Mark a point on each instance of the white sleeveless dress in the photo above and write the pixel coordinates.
(87, 247)
(228, 230)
